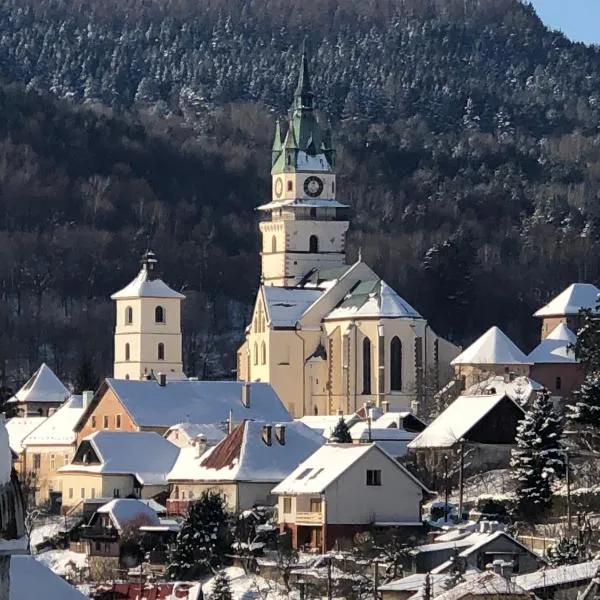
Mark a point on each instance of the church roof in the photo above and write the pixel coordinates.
(494, 347)
(43, 386)
(285, 306)
(570, 301)
(556, 348)
(373, 299)
(143, 286)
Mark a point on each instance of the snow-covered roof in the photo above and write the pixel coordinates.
(373, 299)
(19, 428)
(152, 405)
(321, 469)
(58, 429)
(285, 306)
(556, 348)
(413, 582)
(43, 386)
(244, 456)
(393, 441)
(325, 424)
(145, 454)
(518, 389)
(457, 420)
(565, 574)
(488, 583)
(211, 432)
(31, 580)
(145, 286)
(127, 510)
(494, 347)
(576, 297)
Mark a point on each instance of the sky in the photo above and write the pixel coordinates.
(579, 20)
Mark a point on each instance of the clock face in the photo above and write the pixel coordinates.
(313, 186)
(278, 187)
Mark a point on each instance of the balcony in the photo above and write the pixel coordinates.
(100, 534)
(309, 518)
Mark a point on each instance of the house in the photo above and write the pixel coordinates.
(494, 353)
(18, 428)
(117, 464)
(402, 589)
(312, 308)
(43, 393)
(52, 445)
(343, 489)
(244, 467)
(148, 405)
(186, 435)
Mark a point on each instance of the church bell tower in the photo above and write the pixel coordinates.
(303, 227)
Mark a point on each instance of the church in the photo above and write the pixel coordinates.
(328, 336)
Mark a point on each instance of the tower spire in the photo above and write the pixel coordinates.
(303, 95)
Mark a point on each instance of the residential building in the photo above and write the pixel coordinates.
(18, 428)
(117, 464)
(393, 439)
(41, 395)
(144, 405)
(186, 435)
(340, 331)
(343, 489)
(243, 467)
(52, 445)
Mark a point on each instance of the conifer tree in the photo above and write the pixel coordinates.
(341, 433)
(538, 458)
(204, 543)
(221, 589)
(86, 378)
(568, 551)
(584, 414)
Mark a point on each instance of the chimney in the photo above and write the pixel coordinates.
(267, 434)
(162, 379)
(246, 394)
(501, 567)
(200, 444)
(86, 397)
(386, 406)
(280, 433)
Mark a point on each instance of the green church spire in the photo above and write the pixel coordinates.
(303, 97)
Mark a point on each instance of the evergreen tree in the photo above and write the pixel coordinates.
(341, 433)
(456, 570)
(204, 543)
(86, 378)
(585, 413)
(587, 346)
(537, 459)
(568, 551)
(221, 589)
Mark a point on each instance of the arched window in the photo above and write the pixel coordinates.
(255, 353)
(159, 314)
(396, 364)
(263, 354)
(273, 244)
(161, 351)
(313, 244)
(127, 352)
(128, 315)
(366, 366)
(127, 376)
(316, 410)
(290, 185)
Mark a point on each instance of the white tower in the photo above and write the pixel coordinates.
(148, 327)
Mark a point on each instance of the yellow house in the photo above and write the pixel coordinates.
(18, 429)
(328, 336)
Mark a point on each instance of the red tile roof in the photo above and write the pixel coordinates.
(227, 451)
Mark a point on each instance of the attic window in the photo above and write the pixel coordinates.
(304, 474)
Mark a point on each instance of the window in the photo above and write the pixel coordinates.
(106, 422)
(287, 506)
(71, 493)
(183, 495)
(373, 477)
(37, 462)
(273, 244)
(290, 185)
(128, 315)
(316, 410)
(263, 354)
(191, 495)
(176, 492)
(312, 213)
(366, 366)
(118, 421)
(558, 383)
(52, 462)
(66, 459)
(116, 493)
(93, 492)
(94, 421)
(313, 244)
(98, 546)
(82, 493)
(127, 352)
(333, 187)
(161, 351)
(396, 364)
(255, 353)
(315, 505)
(159, 314)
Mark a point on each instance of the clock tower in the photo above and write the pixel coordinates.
(303, 227)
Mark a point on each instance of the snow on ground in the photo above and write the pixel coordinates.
(63, 562)
(50, 527)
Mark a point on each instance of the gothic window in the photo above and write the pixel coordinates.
(255, 353)
(128, 315)
(161, 351)
(366, 366)
(263, 354)
(159, 314)
(396, 364)
(273, 244)
(316, 410)
(313, 244)
(127, 352)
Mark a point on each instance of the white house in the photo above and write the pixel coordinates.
(186, 435)
(343, 489)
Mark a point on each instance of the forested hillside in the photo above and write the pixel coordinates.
(468, 145)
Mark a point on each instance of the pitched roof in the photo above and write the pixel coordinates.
(373, 299)
(59, 428)
(285, 306)
(394, 441)
(487, 583)
(146, 455)
(493, 348)
(325, 424)
(19, 428)
(518, 389)
(412, 582)
(144, 286)
(457, 420)
(570, 301)
(556, 348)
(5, 454)
(558, 575)
(321, 469)
(43, 386)
(244, 456)
(152, 405)
(212, 433)
(126, 510)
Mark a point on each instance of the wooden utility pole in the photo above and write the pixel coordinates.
(375, 580)
(568, 480)
(461, 478)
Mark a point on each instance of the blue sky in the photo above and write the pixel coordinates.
(577, 19)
